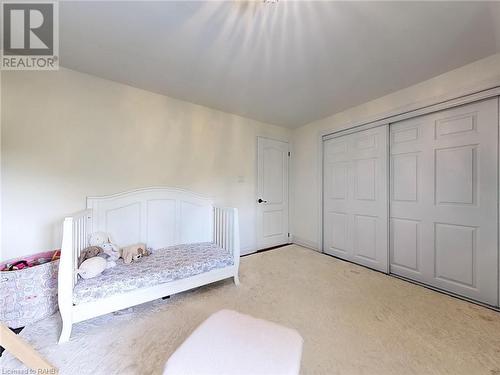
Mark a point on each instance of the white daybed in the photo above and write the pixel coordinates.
(194, 243)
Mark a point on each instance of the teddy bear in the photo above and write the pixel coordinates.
(110, 251)
(89, 252)
(134, 252)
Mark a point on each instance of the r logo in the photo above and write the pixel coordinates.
(28, 29)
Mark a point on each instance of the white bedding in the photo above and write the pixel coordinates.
(164, 265)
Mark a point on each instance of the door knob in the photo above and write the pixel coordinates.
(261, 201)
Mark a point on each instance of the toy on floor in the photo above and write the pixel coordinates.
(92, 267)
(134, 252)
(103, 240)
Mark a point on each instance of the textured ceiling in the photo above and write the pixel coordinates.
(288, 63)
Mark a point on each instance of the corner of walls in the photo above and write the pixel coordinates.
(306, 243)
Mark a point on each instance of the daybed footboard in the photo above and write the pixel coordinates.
(227, 234)
(76, 230)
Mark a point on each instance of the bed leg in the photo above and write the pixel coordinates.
(66, 329)
(236, 280)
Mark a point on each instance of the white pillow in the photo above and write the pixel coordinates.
(92, 267)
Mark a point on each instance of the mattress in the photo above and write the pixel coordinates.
(162, 266)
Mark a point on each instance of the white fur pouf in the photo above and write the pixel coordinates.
(231, 343)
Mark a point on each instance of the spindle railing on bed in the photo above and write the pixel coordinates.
(226, 231)
(82, 223)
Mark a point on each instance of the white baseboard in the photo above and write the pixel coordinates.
(306, 243)
(247, 250)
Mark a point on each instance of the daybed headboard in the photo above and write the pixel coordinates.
(159, 217)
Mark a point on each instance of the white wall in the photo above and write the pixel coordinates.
(306, 140)
(67, 135)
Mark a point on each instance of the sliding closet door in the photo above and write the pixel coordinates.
(355, 197)
(444, 200)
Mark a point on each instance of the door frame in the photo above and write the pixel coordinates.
(498, 197)
(289, 219)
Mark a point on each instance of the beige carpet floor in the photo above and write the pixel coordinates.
(353, 320)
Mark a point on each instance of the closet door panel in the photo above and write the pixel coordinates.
(444, 190)
(407, 230)
(336, 195)
(356, 197)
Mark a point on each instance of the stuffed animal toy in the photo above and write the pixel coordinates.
(92, 267)
(89, 252)
(134, 252)
(103, 240)
(98, 238)
(113, 253)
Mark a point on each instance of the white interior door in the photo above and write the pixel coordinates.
(355, 197)
(444, 200)
(272, 193)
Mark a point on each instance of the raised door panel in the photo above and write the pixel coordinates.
(337, 175)
(273, 223)
(365, 237)
(455, 175)
(455, 248)
(365, 179)
(338, 231)
(453, 125)
(404, 177)
(405, 245)
(273, 184)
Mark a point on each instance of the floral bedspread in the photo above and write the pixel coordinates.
(164, 265)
